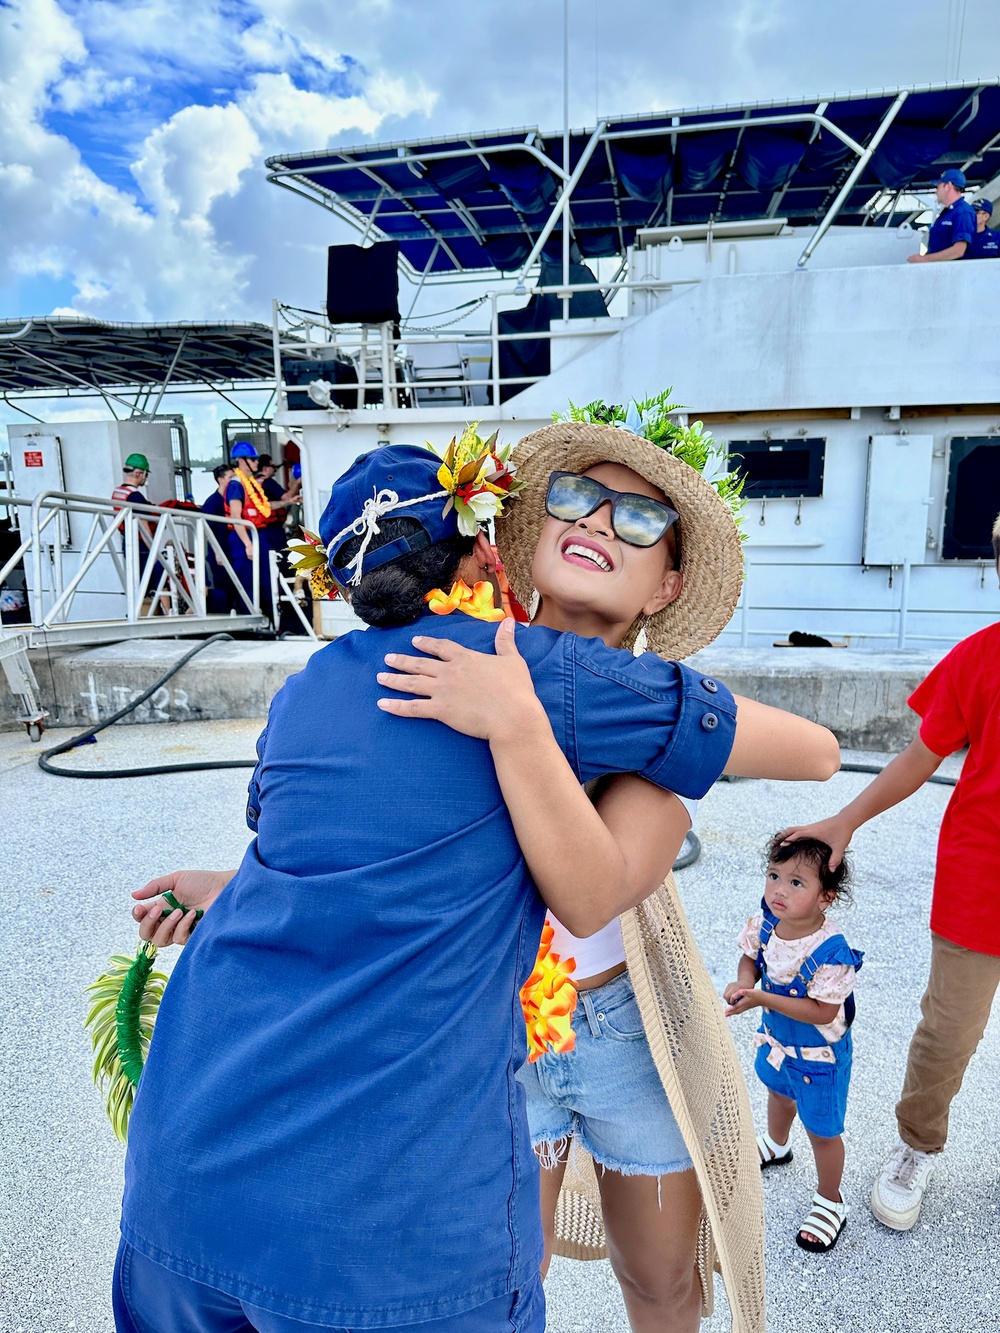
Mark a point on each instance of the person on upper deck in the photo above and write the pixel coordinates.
(985, 243)
(954, 227)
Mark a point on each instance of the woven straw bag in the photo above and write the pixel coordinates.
(701, 1075)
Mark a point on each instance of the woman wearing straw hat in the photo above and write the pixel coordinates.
(651, 1091)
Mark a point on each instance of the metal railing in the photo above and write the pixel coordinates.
(149, 563)
(754, 621)
(387, 367)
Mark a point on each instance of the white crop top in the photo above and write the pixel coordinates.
(605, 948)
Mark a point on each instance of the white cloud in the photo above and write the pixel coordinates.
(287, 114)
(198, 155)
(91, 88)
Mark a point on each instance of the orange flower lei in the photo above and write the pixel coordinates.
(476, 601)
(254, 491)
(548, 999)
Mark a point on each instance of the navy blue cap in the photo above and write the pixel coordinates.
(951, 177)
(383, 484)
(983, 205)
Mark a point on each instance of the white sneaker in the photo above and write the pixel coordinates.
(901, 1185)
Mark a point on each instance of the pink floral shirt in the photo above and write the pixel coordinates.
(832, 983)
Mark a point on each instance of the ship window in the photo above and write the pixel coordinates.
(973, 497)
(779, 468)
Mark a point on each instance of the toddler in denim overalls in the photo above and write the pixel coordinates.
(806, 970)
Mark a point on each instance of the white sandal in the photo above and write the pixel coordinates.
(771, 1153)
(826, 1220)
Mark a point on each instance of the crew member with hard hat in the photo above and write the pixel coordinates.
(135, 473)
(954, 227)
(985, 243)
(246, 499)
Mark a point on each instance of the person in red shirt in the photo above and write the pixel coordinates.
(959, 705)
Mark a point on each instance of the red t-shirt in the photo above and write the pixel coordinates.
(959, 703)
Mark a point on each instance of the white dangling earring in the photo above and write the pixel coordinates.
(641, 639)
(533, 604)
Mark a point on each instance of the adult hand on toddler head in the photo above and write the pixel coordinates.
(836, 832)
(196, 889)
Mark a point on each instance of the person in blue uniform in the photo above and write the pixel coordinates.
(985, 243)
(334, 1061)
(219, 594)
(954, 227)
(247, 499)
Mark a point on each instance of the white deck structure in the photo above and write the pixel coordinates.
(795, 326)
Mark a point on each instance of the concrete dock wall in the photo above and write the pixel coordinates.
(860, 696)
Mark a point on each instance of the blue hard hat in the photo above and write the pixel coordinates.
(296, 470)
(951, 177)
(243, 449)
(376, 486)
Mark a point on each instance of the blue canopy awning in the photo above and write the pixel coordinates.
(481, 201)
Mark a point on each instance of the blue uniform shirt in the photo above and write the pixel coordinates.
(957, 222)
(328, 1125)
(215, 504)
(984, 245)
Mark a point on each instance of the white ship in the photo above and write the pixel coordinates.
(752, 257)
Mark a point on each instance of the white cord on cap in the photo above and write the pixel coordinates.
(366, 525)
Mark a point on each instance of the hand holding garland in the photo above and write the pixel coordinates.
(196, 889)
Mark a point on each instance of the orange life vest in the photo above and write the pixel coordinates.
(255, 509)
(121, 493)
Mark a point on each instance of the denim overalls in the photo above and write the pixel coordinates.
(795, 1059)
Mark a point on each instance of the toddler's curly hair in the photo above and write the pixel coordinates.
(817, 854)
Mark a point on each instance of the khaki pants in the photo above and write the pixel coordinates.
(955, 1009)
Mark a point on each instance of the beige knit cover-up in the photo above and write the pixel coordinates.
(696, 1059)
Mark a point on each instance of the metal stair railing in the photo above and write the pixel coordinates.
(155, 558)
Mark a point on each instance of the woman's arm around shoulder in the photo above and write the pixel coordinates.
(771, 743)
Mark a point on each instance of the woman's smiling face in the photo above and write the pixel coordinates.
(593, 583)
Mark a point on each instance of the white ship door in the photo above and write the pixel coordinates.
(898, 496)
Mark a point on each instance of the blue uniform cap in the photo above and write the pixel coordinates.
(951, 177)
(243, 449)
(398, 481)
(983, 206)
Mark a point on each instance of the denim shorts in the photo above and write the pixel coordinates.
(606, 1093)
(818, 1090)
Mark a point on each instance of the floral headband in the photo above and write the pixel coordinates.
(476, 478)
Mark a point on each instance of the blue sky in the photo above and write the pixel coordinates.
(133, 132)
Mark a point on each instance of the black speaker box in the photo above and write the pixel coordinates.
(362, 285)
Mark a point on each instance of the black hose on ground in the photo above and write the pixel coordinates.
(155, 769)
(877, 768)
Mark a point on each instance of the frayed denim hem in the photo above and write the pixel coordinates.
(552, 1152)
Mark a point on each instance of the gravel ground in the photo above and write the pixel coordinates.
(80, 847)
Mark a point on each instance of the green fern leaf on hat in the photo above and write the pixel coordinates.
(652, 419)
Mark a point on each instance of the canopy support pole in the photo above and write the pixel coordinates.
(562, 203)
(167, 378)
(420, 285)
(852, 180)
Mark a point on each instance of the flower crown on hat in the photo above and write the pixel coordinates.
(651, 419)
(476, 478)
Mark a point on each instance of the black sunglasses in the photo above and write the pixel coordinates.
(636, 520)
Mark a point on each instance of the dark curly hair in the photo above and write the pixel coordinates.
(816, 854)
(394, 593)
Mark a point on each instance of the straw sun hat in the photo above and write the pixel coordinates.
(711, 557)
